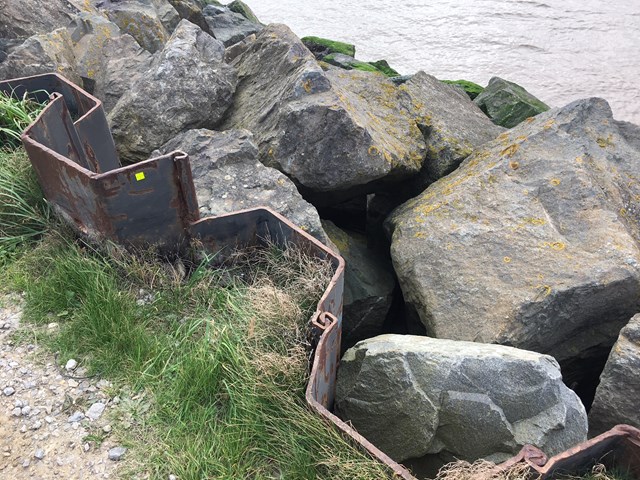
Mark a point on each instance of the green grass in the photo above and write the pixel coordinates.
(16, 113)
(220, 357)
(24, 214)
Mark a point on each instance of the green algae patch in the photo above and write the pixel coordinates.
(383, 66)
(470, 88)
(332, 46)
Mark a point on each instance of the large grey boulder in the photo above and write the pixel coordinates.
(532, 241)
(150, 22)
(453, 126)
(109, 62)
(412, 396)
(227, 26)
(369, 284)
(507, 103)
(46, 53)
(228, 177)
(617, 397)
(330, 132)
(24, 18)
(187, 86)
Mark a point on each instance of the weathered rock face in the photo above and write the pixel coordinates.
(243, 9)
(412, 395)
(228, 177)
(532, 241)
(618, 394)
(507, 103)
(191, 10)
(227, 26)
(452, 125)
(150, 22)
(329, 131)
(50, 52)
(25, 18)
(368, 285)
(109, 62)
(188, 85)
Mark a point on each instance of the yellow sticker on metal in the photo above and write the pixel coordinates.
(140, 176)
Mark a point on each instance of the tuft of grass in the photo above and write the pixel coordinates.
(16, 113)
(220, 357)
(24, 214)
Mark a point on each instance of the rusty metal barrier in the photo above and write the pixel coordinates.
(154, 203)
(619, 448)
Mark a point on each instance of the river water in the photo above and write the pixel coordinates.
(559, 50)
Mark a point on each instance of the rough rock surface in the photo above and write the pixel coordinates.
(618, 394)
(532, 241)
(25, 18)
(187, 86)
(368, 285)
(150, 22)
(243, 9)
(229, 27)
(452, 125)
(191, 10)
(507, 103)
(109, 62)
(329, 131)
(228, 177)
(50, 52)
(413, 395)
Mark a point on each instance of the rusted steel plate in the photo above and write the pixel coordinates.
(619, 448)
(91, 123)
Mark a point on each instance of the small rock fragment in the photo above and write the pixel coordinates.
(71, 364)
(8, 391)
(39, 454)
(95, 411)
(116, 453)
(76, 417)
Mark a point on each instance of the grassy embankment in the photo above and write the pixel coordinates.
(214, 363)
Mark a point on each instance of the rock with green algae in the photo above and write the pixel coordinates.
(369, 284)
(384, 67)
(533, 240)
(238, 6)
(46, 53)
(336, 131)
(322, 47)
(470, 88)
(349, 63)
(507, 103)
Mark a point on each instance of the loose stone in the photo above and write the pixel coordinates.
(116, 453)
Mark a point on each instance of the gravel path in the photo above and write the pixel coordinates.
(51, 426)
